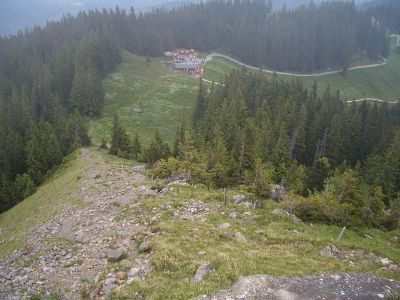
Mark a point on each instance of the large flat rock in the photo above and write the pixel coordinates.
(326, 286)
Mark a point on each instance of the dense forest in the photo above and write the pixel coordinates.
(387, 13)
(51, 77)
(316, 37)
(340, 162)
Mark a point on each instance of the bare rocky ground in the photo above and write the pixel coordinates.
(75, 250)
(88, 251)
(326, 286)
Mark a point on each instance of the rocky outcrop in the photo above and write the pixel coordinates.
(201, 272)
(324, 286)
(239, 199)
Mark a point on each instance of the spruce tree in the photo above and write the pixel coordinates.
(120, 144)
(136, 146)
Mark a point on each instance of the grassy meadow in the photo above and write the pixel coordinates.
(147, 96)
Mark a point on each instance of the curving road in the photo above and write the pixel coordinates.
(215, 54)
(373, 99)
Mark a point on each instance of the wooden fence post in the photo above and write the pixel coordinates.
(341, 234)
(225, 200)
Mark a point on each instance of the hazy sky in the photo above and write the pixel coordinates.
(18, 14)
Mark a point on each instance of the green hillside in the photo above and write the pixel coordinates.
(188, 218)
(51, 198)
(148, 97)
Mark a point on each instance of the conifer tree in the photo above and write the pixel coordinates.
(156, 150)
(136, 146)
(376, 213)
(120, 144)
(317, 175)
(201, 105)
(37, 162)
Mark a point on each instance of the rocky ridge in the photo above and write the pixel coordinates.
(105, 245)
(78, 247)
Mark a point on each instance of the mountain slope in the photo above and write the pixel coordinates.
(147, 97)
(96, 227)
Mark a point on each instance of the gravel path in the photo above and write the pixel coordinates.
(342, 286)
(70, 251)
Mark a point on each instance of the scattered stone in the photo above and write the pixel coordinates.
(186, 217)
(114, 255)
(122, 275)
(224, 226)
(282, 212)
(394, 268)
(331, 251)
(233, 215)
(133, 272)
(277, 192)
(139, 272)
(164, 191)
(109, 285)
(240, 237)
(145, 247)
(385, 262)
(139, 169)
(295, 219)
(96, 279)
(201, 253)
(181, 182)
(195, 207)
(239, 199)
(253, 203)
(201, 272)
(48, 270)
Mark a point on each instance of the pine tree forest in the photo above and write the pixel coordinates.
(252, 132)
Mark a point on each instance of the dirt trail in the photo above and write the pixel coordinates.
(71, 250)
(215, 54)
